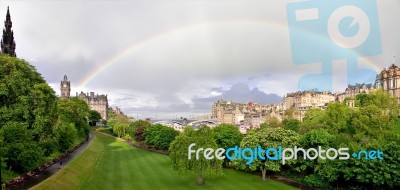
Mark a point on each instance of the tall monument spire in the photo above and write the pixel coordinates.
(7, 41)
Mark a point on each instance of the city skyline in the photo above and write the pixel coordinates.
(180, 58)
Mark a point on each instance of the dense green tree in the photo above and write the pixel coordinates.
(22, 153)
(203, 138)
(2, 165)
(137, 128)
(28, 111)
(267, 138)
(44, 111)
(291, 124)
(49, 145)
(363, 99)
(67, 134)
(273, 122)
(227, 136)
(74, 111)
(120, 129)
(369, 126)
(94, 116)
(160, 136)
(139, 123)
(313, 139)
(19, 85)
(118, 118)
(139, 133)
(263, 125)
(314, 118)
(337, 117)
(385, 101)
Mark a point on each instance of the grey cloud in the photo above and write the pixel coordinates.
(175, 44)
(239, 92)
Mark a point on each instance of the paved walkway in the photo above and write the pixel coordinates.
(50, 170)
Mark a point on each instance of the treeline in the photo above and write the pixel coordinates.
(372, 125)
(34, 122)
(141, 132)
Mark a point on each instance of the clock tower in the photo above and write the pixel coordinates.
(65, 88)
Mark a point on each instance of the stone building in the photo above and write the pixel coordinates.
(305, 100)
(95, 101)
(389, 81)
(118, 110)
(353, 90)
(65, 88)
(250, 114)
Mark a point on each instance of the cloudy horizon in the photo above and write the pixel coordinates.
(174, 58)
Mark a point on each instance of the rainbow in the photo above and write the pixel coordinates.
(153, 39)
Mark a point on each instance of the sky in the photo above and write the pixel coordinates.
(174, 58)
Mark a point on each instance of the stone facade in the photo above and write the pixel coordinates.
(389, 81)
(65, 88)
(95, 101)
(249, 114)
(353, 90)
(118, 110)
(305, 100)
(252, 114)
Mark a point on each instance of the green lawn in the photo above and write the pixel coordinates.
(111, 164)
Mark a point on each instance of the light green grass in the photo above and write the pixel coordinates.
(111, 164)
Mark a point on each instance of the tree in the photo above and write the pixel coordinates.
(227, 136)
(267, 138)
(337, 117)
(94, 116)
(138, 128)
(291, 113)
(313, 139)
(1, 156)
(159, 136)
(139, 133)
(291, 124)
(119, 129)
(67, 135)
(370, 126)
(273, 122)
(28, 111)
(363, 99)
(314, 118)
(203, 138)
(74, 111)
(22, 153)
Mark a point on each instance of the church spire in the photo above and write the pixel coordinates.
(7, 41)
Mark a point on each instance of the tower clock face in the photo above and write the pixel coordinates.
(65, 85)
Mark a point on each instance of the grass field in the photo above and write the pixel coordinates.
(111, 164)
